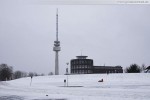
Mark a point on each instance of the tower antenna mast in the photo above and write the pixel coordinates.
(57, 25)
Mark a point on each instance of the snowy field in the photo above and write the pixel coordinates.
(81, 87)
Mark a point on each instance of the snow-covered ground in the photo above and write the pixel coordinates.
(81, 87)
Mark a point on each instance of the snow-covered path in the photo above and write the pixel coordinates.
(115, 86)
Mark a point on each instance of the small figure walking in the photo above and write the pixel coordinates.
(64, 82)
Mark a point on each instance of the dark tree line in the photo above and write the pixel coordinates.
(7, 73)
(19, 74)
(134, 68)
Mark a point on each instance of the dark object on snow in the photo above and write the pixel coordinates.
(46, 95)
(100, 80)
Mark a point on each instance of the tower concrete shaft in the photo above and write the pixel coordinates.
(56, 48)
(56, 63)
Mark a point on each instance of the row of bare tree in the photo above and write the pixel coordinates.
(7, 73)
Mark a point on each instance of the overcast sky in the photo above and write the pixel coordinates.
(108, 34)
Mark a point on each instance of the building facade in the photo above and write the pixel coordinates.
(82, 65)
(107, 69)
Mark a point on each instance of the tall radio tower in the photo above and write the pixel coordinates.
(56, 47)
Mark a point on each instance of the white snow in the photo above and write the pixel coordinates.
(115, 87)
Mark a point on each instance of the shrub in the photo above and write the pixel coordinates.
(134, 68)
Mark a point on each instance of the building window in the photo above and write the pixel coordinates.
(77, 66)
(82, 62)
(85, 66)
(76, 62)
(82, 66)
(89, 71)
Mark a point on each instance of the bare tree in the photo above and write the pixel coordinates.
(19, 74)
(31, 74)
(143, 68)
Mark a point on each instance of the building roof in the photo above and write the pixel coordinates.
(99, 67)
(81, 57)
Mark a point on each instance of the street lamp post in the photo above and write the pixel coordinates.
(67, 73)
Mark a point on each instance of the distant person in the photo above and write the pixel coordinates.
(64, 82)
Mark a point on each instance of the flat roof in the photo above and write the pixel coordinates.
(81, 57)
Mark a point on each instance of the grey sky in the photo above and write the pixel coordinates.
(108, 34)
